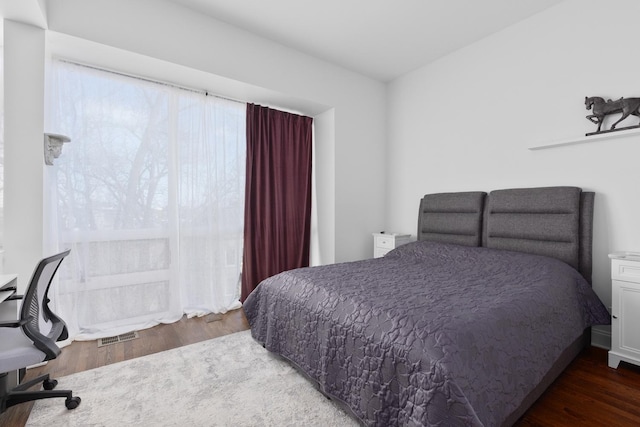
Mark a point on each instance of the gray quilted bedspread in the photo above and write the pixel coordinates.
(431, 334)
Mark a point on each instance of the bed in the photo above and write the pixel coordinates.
(468, 325)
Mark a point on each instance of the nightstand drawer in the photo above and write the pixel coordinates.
(625, 270)
(387, 242)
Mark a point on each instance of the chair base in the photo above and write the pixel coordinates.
(19, 394)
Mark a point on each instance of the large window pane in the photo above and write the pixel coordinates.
(150, 200)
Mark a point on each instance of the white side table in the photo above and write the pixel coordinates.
(384, 242)
(625, 308)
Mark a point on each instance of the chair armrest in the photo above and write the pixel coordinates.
(14, 297)
(13, 324)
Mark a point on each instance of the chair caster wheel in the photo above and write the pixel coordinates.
(72, 402)
(49, 384)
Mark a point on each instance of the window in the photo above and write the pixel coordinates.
(150, 196)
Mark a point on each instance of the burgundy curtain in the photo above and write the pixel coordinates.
(277, 212)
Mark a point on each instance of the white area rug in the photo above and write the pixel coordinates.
(227, 381)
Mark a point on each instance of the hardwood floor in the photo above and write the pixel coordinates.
(588, 393)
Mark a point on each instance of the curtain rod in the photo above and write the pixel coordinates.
(149, 80)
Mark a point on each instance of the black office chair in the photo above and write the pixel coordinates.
(32, 339)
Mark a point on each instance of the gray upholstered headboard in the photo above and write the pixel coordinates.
(452, 218)
(551, 221)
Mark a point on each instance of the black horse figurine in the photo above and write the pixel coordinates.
(602, 108)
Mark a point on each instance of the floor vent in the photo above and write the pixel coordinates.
(118, 338)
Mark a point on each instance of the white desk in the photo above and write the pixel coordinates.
(8, 280)
(5, 294)
(8, 312)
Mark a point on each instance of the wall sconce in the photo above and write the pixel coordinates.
(53, 146)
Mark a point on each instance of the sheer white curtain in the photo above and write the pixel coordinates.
(150, 195)
(210, 201)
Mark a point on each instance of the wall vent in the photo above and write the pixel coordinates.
(118, 338)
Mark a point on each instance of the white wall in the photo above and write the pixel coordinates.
(325, 124)
(24, 53)
(465, 121)
(247, 67)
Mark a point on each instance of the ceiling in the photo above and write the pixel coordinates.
(382, 39)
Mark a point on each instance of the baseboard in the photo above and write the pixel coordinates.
(601, 337)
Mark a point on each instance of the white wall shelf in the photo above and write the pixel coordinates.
(584, 139)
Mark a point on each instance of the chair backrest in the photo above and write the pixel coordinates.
(42, 326)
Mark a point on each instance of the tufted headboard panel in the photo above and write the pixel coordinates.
(452, 218)
(541, 221)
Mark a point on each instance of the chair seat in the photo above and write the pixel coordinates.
(17, 351)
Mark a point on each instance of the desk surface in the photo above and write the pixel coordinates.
(5, 294)
(7, 281)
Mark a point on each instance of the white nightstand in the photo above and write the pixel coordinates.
(384, 242)
(625, 308)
